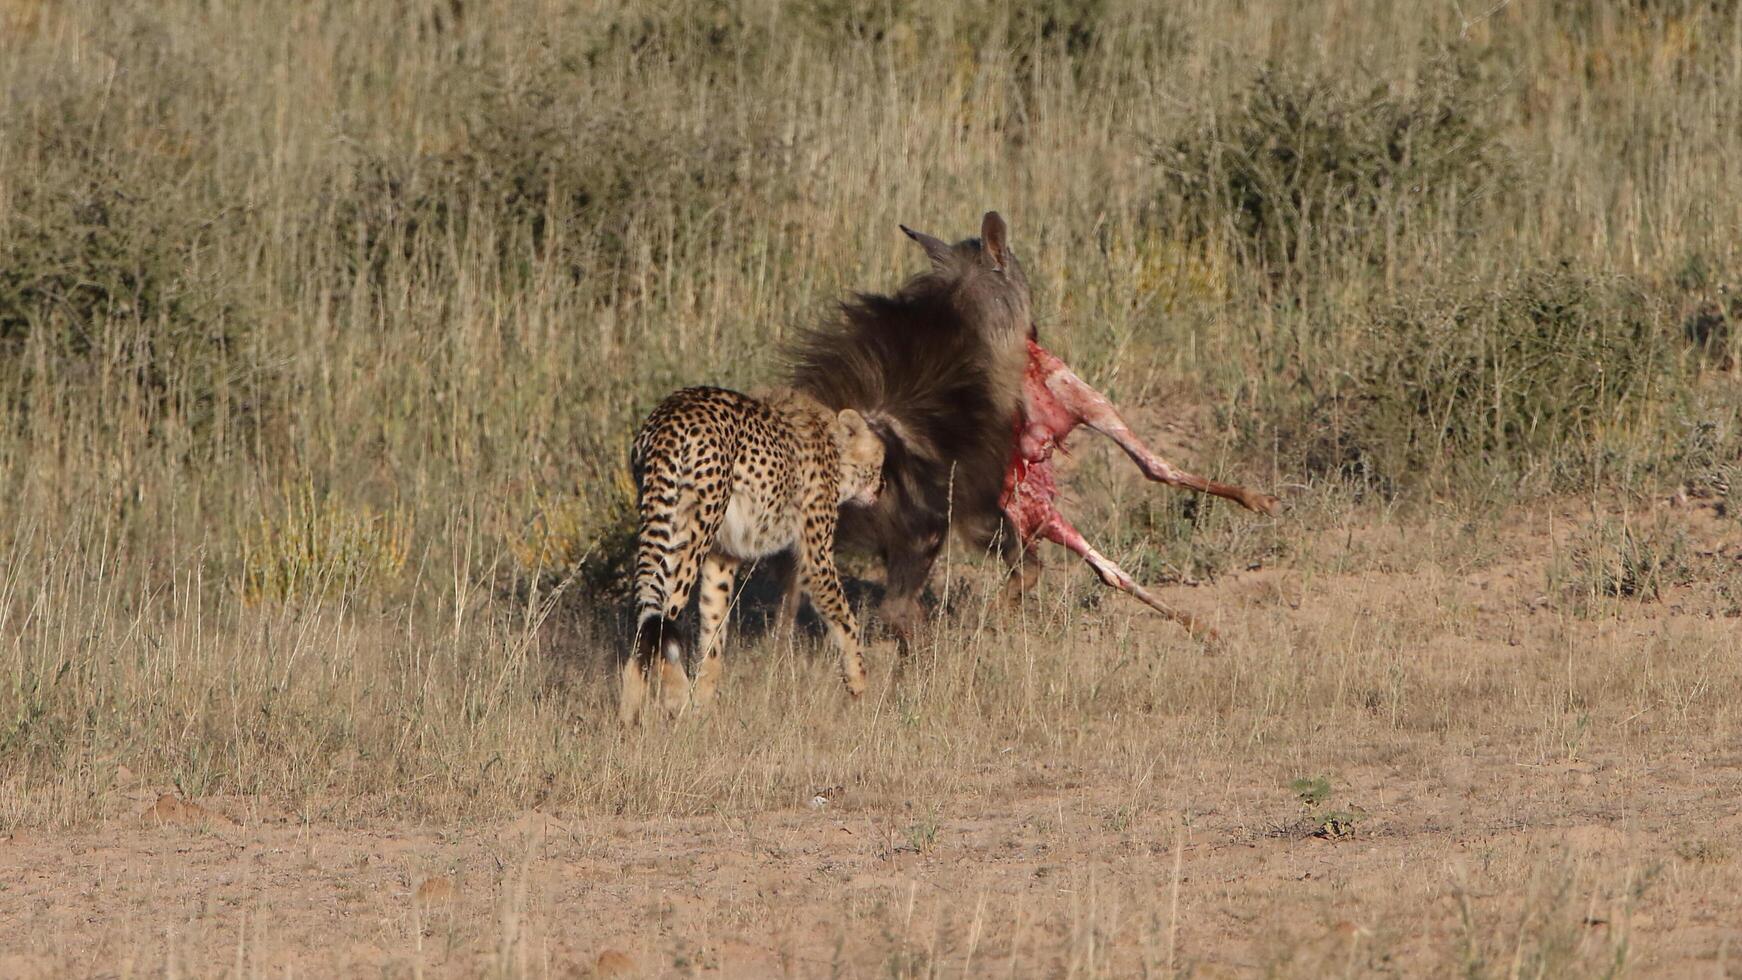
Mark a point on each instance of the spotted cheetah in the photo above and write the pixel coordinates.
(722, 477)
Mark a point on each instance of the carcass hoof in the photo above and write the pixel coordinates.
(1261, 503)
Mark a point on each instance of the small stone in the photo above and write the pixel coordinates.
(170, 810)
(436, 891)
(613, 963)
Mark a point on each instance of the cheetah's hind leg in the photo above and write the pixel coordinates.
(718, 572)
(674, 685)
(633, 695)
(655, 639)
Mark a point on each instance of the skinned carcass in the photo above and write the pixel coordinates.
(1054, 402)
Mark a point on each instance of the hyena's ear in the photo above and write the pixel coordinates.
(937, 250)
(995, 237)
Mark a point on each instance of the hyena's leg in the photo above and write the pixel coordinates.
(823, 584)
(716, 602)
(907, 565)
(786, 577)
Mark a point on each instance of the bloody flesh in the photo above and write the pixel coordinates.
(1055, 402)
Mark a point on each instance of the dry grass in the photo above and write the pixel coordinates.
(323, 329)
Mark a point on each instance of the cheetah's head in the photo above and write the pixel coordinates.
(861, 458)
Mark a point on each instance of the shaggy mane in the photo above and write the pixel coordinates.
(921, 374)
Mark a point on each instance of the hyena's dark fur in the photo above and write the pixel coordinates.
(937, 370)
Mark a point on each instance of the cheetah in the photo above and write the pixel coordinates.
(723, 477)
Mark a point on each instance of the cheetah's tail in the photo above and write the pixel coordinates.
(660, 636)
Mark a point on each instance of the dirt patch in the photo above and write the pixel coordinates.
(1452, 861)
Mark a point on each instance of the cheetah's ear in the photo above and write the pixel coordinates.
(850, 427)
(937, 249)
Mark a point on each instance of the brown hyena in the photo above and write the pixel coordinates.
(950, 373)
(937, 370)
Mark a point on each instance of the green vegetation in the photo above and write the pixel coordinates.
(1302, 174)
(324, 328)
(1547, 380)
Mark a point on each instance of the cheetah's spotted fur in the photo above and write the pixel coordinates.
(723, 477)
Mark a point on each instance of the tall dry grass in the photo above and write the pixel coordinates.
(324, 328)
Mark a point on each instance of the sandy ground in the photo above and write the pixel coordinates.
(1457, 859)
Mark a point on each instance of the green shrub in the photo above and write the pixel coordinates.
(536, 169)
(705, 37)
(1707, 460)
(1297, 169)
(1089, 37)
(105, 259)
(1073, 25)
(591, 531)
(1710, 324)
(1549, 373)
(1580, 17)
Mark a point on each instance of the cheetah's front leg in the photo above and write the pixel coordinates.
(823, 584)
(718, 571)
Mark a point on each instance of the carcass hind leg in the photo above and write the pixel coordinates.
(1060, 531)
(1022, 563)
(1093, 409)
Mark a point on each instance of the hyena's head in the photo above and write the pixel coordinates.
(861, 453)
(987, 281)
